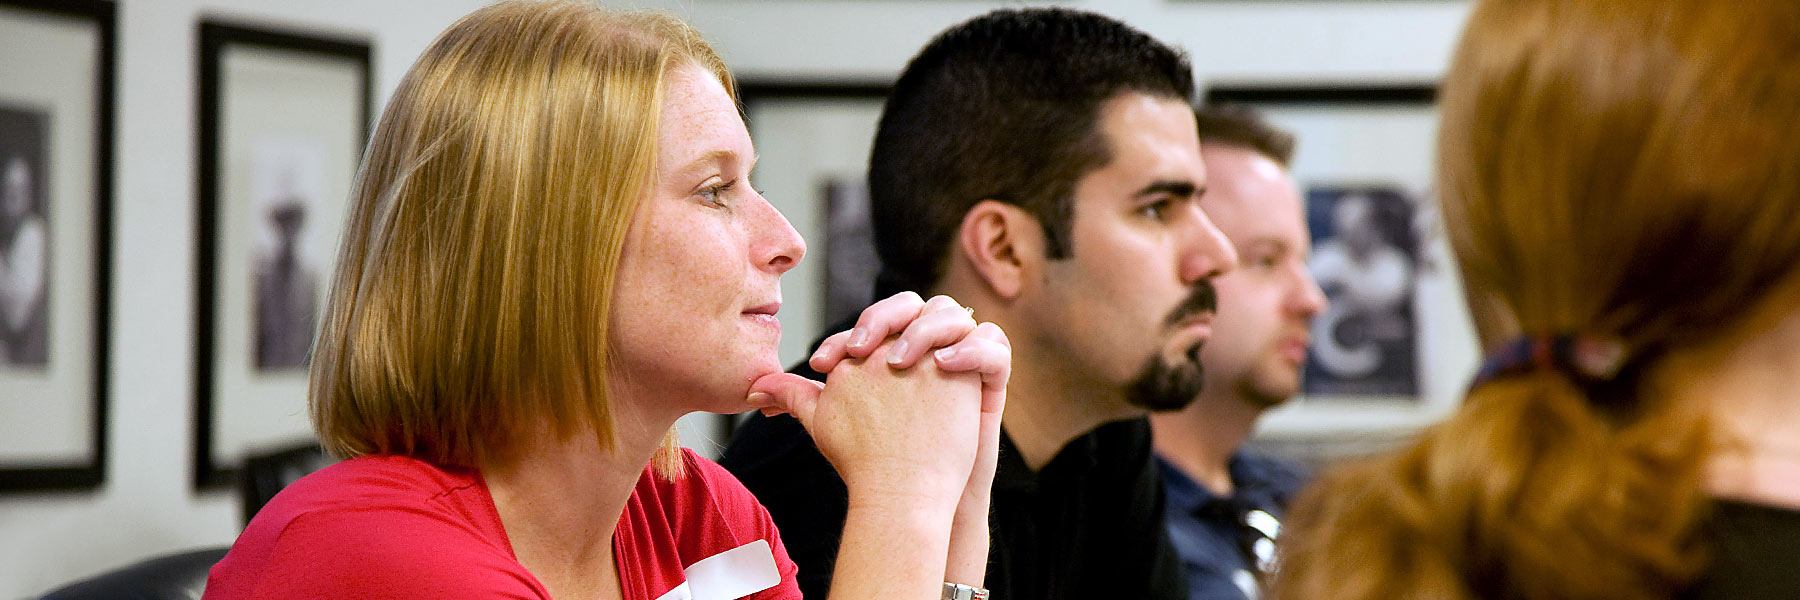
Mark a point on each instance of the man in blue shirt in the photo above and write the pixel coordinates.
(1224, 503)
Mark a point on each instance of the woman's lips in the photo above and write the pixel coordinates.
(764, 315)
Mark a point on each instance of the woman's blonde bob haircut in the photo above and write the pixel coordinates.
(470, 306)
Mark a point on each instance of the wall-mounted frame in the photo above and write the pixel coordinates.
(283, 118)
(1395, 348)
(57, 58)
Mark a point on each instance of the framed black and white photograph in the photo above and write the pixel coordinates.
(283, 118)
(56, 136)
(850, 260)
(1394, 348)
(1365, 258)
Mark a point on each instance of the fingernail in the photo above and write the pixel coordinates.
(858, 337)
(816, 354)
(944, 354)
(897, 352)
(760, 399)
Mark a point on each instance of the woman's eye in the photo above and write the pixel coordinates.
(715, 194)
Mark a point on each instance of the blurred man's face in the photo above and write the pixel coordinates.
(1265, 306)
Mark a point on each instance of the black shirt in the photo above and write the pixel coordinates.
(1089, 525)
(1756, 553)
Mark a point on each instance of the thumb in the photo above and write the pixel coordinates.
(786, 392)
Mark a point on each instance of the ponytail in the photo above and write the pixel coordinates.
(1530, 491)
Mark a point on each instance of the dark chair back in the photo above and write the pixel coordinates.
(179, 576)
(266, 474)
(182, 576)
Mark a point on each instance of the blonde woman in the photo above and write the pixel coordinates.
(553, 253)
(1621, 179)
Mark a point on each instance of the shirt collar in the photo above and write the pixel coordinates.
(1252, 483)
(1011, 474)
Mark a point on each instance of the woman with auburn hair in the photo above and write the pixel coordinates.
(553, 252)
(1622, 178)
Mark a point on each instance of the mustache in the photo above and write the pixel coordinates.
(1202, 300)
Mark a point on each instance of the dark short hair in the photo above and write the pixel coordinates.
(1239, 125)
(1004, 107)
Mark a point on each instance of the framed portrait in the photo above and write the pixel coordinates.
(1394, 348)
(283, 119)
(56, 149)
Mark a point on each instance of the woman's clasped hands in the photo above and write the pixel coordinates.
(912, 400)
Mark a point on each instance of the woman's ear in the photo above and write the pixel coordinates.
(1003, 245)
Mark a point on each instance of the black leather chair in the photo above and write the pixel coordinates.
(266, 474)
(180, 576)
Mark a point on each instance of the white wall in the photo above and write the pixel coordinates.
(1282, 40)
(147, 506)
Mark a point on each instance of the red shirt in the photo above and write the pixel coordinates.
(396, 527)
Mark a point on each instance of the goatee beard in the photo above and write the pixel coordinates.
(1162, 386)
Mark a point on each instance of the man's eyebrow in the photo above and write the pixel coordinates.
(1173, 187)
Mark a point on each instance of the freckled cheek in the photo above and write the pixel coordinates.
(699, 274)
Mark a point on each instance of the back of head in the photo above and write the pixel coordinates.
(1618, 168)
(1244, 127)
(1002, 107)
(469, 308)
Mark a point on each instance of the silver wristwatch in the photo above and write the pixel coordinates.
(957, 591)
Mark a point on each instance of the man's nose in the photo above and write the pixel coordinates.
(1308, 300)
(1206, 252)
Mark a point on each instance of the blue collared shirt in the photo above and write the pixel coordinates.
(1208, 531)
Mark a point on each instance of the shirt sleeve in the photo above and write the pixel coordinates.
(359, 554)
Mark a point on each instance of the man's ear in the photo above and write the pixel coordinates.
(1003, 245)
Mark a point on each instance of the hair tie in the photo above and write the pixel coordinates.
(1589, 359)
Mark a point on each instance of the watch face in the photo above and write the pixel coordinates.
(958, 591)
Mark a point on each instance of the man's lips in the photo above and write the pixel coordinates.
(1293, 349)
(1190, 332)
(1201, 320)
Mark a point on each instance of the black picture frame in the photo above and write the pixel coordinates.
(1408, 93)
(84, 472)
(214, 255)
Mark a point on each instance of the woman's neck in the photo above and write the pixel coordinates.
(1751, 382)
(560, 501)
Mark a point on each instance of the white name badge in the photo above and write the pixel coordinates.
(731, 574)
